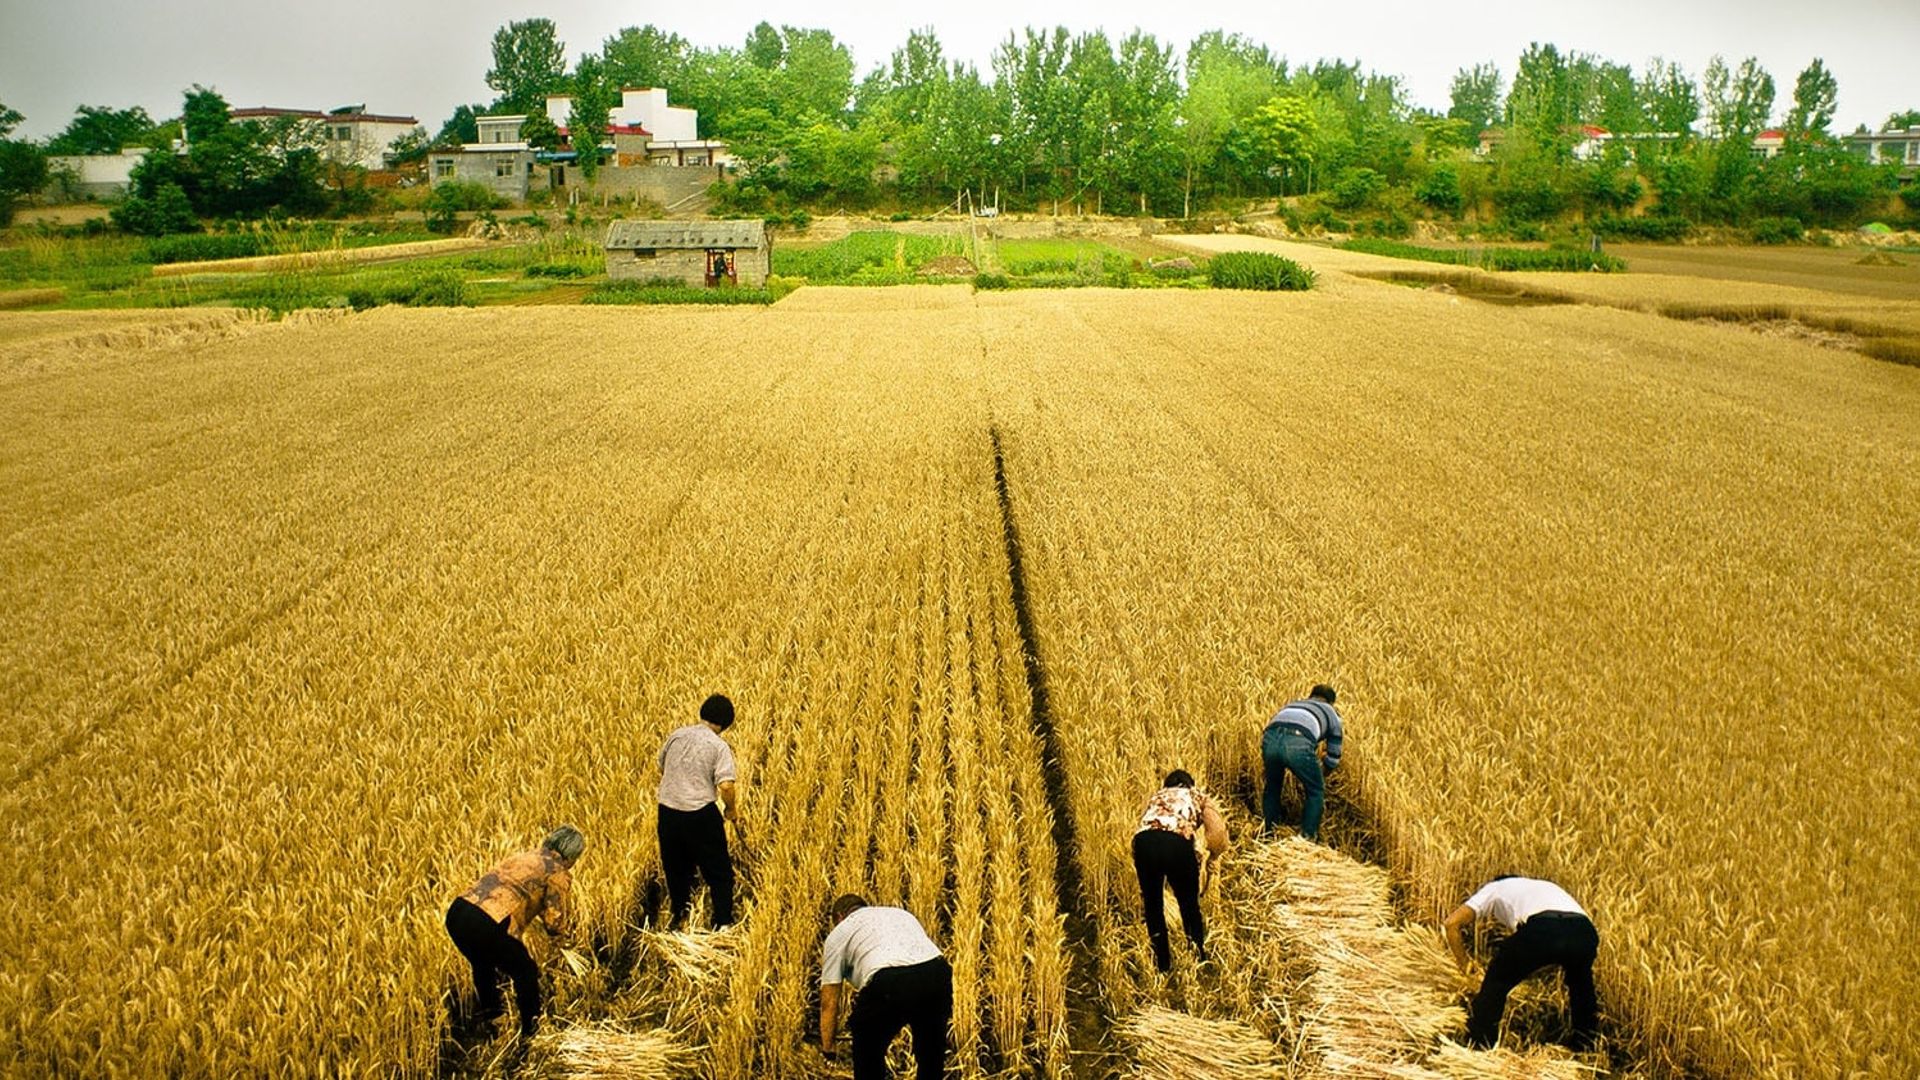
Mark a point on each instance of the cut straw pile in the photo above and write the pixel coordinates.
(1171, 1045)
(609, 1052)
(1383, 995)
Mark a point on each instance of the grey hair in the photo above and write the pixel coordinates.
(565, 842)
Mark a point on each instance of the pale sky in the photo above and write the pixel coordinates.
(423, 58)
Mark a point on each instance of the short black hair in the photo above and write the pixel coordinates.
(846, 905)
(1323, 692)
(718, 711)
(1179, 778)
(1505, 877)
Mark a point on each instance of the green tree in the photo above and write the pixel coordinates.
(1542, 108)
(1672, 105)
(1620, 109)
(1815, 93)
(1901, 121)
(410, 147)
(23, 172)
(97, 129)
(9, 119)
(539, 131)
(529, 62)
(645, 56)
(1289, 131)
(1145, 102)
(1475, 98)
(594, 96)
(462, 127)
(1228, 78)
(1738, 102)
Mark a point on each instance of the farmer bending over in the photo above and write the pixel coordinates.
(1549, 929)
(487, 922)
(1180, 835)
(1291, 744)
(901, 979)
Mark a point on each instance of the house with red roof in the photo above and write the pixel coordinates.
(349, 135)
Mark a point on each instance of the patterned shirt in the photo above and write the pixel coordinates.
(694, 762)
(526, 886)
(1184, 811)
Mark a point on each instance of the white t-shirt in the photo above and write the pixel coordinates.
(693, 764)
(870, 939)
(1512, 901)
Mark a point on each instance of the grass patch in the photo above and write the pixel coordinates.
(1493, 258)
(866, 258)
(664, 292)
(1257, 270)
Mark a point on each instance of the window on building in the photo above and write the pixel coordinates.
(342, 132)
(443, 167)
(645, 253)
(503, 166)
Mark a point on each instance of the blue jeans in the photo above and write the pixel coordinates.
(1286, 750)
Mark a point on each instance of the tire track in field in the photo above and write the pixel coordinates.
(1088, 1019)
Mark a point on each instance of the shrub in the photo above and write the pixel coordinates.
(672, 292)
(434, 288)
(992, 281)
(1356, 188)
(448, 199)
(574, 269)
(1776, 230)
(1257, 270)
(168, 211)
(1571, 259)
(200, 247)
(1441, 190)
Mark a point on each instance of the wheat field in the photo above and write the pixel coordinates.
(307, 622)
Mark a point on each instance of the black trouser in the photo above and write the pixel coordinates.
(690, 840)
(1550, 938)
(495, 953)
(1166, 857)
(918, 997)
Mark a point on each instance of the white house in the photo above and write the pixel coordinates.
(97, 176)
(347, 136)
(672, 132)
(1889, 146)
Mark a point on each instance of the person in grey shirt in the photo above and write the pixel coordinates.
(698, 795)
(902, 981)
(1291, 744)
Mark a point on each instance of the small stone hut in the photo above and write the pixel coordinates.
(697, 253)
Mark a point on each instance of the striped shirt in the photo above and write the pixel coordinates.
(1317, 719)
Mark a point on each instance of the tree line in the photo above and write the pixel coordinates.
(1089, 123)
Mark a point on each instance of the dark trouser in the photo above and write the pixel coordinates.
(1166, 858)
(1550, 938)
(494, 953)
(690, 840)
(918, 997)
(1289, 750)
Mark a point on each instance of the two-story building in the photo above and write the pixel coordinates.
(1890, 146)
(655, 133)
(499, 159)
(349, 135)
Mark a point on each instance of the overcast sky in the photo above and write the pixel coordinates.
(423, 58)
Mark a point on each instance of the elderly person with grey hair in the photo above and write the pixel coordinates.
(486, 922)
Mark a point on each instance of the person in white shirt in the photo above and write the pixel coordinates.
(1548, 929)
(697, 798)
(902, 981)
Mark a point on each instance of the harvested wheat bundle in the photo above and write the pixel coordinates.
(1457, 1062)
(1178, 1046)
(697, 960)
(609, 1052)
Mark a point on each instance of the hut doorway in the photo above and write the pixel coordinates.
(720, 267)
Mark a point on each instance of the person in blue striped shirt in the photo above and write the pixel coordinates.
(1291, 744)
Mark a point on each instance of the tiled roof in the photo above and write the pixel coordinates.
(681, 235)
